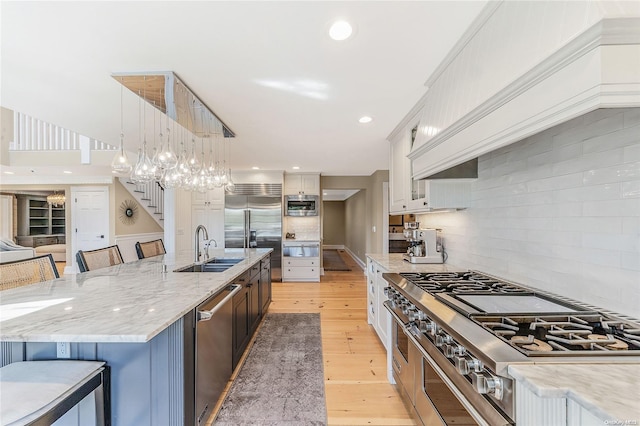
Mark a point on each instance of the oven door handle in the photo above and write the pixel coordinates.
(463, 400)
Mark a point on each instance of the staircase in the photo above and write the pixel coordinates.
(149, 195)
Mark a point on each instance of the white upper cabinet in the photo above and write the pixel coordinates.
(397, 172)
(302, 183)
(408, 195)
(400, 182)
(207, 208)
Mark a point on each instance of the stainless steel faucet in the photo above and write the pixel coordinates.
(206, 247)
(196, 246)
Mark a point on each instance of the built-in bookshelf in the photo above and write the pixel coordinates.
(36, 217)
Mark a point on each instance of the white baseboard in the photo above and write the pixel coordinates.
(333, 246)
(360, 263)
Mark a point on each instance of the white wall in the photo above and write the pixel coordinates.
(559, 211)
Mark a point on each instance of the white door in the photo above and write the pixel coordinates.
(90, 219)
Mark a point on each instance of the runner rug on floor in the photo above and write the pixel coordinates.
(332, 261)
(282, 380)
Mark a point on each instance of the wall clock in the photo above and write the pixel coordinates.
(128, 212)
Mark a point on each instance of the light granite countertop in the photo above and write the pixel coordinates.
(610, 392)
(393, 262)
(131, 302)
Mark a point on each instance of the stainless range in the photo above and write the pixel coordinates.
(455, 333)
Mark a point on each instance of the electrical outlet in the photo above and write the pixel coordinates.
(63, 350)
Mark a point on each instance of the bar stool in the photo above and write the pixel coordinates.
(99, 258)
(150, 249)
(19, 273)
(40, 392)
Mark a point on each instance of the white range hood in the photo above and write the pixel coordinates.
(469, 109)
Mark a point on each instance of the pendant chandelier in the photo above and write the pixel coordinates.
(56, 199)
(174, 161)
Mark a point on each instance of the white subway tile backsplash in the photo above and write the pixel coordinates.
(631, 117)
(632, 153)
(631, 189)
(623, 207)
(617, 173)
(588, 193)
(559, 211)
(555, 182)
(619, 139)
(588, 162)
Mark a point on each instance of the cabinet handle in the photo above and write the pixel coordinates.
(425, 203)
(404, 207)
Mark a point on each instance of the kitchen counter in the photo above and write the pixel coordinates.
(131, 302)
(393, 262)
(609, 392)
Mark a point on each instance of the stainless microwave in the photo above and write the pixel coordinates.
(302, 205)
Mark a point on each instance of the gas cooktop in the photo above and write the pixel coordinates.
(460, 282)
(534, 323)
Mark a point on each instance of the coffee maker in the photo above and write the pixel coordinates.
(425, 245)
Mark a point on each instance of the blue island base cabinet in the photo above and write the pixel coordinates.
(151, 383)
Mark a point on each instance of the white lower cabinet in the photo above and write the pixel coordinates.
(378, 316)
(301, 269)
(534, 410)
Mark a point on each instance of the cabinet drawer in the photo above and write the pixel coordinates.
(302, 273)
(299, 262)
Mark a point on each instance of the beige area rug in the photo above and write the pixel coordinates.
(332, 261)
(282, 380)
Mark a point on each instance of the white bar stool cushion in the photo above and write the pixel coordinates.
(30, 388)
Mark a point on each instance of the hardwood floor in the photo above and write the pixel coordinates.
(356, 387)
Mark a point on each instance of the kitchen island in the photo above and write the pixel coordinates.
(135, 316)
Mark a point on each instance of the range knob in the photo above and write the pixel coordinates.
(485, 383)
(388, 291)
(429, 327)
(421, 316)
(406, 307)
(454, 349)
(443, 339)
(466, 365)
(413, 314)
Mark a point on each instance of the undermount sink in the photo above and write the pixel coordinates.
(216, 264)
(225, 260)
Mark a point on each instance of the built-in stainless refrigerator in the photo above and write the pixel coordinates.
(253, 219)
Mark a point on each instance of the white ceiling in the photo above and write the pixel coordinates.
(291, 94)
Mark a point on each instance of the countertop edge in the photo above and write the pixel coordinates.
(7, 334)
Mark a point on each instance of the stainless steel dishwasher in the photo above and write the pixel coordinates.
(214, 328)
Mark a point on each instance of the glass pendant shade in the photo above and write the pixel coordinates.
(143, 170)
(166, 157)
(121, 166)
(172, 178)
(193, 163)
(229, 186)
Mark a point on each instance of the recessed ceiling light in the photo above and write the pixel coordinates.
(67, 172)
(255, 168)
(340, 30)
(365, 119)
(296, 168)
(9, 173)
